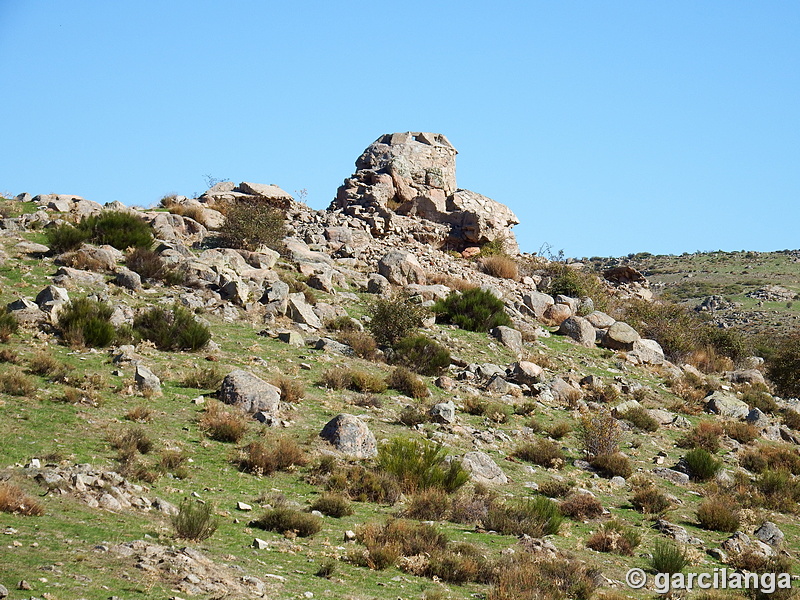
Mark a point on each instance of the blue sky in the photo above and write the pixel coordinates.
(608, 127)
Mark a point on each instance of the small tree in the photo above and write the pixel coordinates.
(394, 318)
(599, 433)
(250, 224)
(194, 521)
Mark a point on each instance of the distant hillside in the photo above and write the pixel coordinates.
(753, 291)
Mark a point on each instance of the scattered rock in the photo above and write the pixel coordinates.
(509, 337)
(579, 329)
(727, 405)
(769, 533)
(444, 412)
(252, 394)
(620, 336)
(483, 469)
(147, 381)
(351, 436)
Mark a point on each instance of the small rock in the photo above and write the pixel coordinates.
(349, 536)
(260, 544)
(243, 506)
(769, 533)
(146, 380)
(444, 412)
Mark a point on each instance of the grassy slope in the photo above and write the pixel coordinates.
(60, 546)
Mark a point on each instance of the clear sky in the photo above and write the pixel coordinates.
(608, 127)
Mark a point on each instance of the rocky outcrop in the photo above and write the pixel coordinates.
(413, 174)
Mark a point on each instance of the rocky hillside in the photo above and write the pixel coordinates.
(239, 396)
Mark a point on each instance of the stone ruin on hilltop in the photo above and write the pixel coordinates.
(413, 175)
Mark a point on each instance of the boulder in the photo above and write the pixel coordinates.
(351, 436)
(401, 268)
(443, 412)
(509, 337)
(378, 284)
(483, 469)
(727, 405)
(769, 533)
(147, 381)
(252, 394)
(538, 303)
(647, 352)
(557, 314)
(300, 311)
(579, 329)
(51, 296)
(620, 336)
(526, 373)
(745, 376)
(676, 532)
(128, 279)
(600, 320)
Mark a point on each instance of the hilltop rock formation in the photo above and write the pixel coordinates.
(413, 174)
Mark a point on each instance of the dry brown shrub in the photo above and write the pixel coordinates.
(430, 504)
(292, 391)
(139, 414)
(280, 455)
(14, 500)
(705, 435)
(581, 506)
(363, 344)
(222, 424)
(500, 266)
(454, 283)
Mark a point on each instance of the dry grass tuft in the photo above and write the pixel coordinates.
(14, 500)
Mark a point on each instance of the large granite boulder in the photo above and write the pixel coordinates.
(483, 469)
(579, 329)
(620, 336)
(401, 268)
(252, 394)
(413, 174)
(351, 436)
(725, 404)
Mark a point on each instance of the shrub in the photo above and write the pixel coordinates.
(326, 569)
(175, 329)
(473, 310)
(559, 430)
(499, 412)
(139, 414)
(783, 366)
(146, 263)
(292, 390)
(282, 453)
(668, 557)
(791, 418)
(702, 465)
(14, 500)
(761, 399)
(780, 457)
(119, 229)
(420, 464)
(223, 424)
(398, 537)
(599, 433)
(575, 283)
(16, 383)
(524, 576)
(541, 452)
(581, 506)
(744, 433)
(250, 225)
(602, 393)
(421, 354)
(333, 505)
(612, 465)
(194, 521)
(339, 378)
(555, 488)
(8, 325)
(471, 508)
(403, 380)
(717, 514)
(779, 490)
(65, 237)
(86, 322)
(640, 418)
(288, 520)
(614, 537)
(413, 415)
(363, 344)
(458, 563)
(45, 364)
(500, 266)
(133, 439)
(9, 356)
(203, 378)
(342, 323)
(650, 501)
(704, 435)
(394, 318)
(535, 517)
(428, 505)
(363, 485)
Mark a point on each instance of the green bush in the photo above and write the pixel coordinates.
(86, 322)
(575, 283)
(288, 520)
(668, 557)
(473, 310)
(421, 354)
(175, 329)
(779, 490)
(194, 521)
(394, 318)
(783, 367)
(250, 225)
(702, 465)
(535, 517)
(420, 464)
(65, 237)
